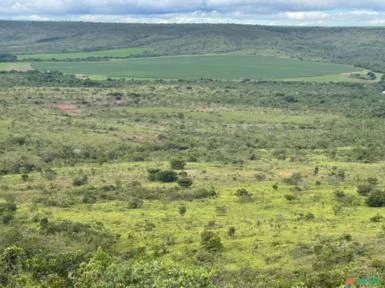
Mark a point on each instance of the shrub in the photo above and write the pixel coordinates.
(211, 241)
(80, 181)
(201, 193)
(260, 177)
(290, 197)
(89, 198)
(152, 173)
(7, 212)
(294, 179)
(182, 210)
(24, 177)
(166, 176)
(377, 218)
(177, 164)
(244, 195)
(373, 181)
(231, 231)
(185, 182)
(339, 194)
(155, 174)
(376, 199)
(364, 189)
(135, 203)
(49, 174)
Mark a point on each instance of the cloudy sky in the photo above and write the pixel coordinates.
(273, 12)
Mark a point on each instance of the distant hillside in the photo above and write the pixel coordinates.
(359, 46)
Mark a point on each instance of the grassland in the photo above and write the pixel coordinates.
(296, 147)
(164, 172)
(114, 53)
(228, 67)
(15, 66)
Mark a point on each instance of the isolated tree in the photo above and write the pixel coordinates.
(376, 199)
(211, 241)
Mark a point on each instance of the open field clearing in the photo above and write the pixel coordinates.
(15, 66)
(228, 67)
(113, 53)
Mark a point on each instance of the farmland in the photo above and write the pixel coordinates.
(114, 53)
(227, 67)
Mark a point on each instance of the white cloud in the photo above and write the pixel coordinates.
(280, 12)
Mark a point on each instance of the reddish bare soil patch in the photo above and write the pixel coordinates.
(205, 109)
(69, 108)
(285, 173)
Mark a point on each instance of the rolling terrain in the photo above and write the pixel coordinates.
(355, 46)
(130, 157)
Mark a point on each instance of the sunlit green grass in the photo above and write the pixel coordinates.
(114, 53)
(268, 219)
(230, 67)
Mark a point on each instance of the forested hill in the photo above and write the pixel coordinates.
(358, 46)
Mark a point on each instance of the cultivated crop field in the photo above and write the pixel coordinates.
(227, 67)
(113, 53)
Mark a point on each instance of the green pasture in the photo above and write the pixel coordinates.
(228, 67)
(15, 66)
(113, 53)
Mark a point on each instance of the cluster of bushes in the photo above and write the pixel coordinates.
(18, 268)
(169, 176)
(74, 231)
(375, 197)
(7, 212)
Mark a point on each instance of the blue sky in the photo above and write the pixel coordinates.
(274, 12)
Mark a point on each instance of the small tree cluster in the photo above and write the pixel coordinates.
(156, 174)
(211, 241)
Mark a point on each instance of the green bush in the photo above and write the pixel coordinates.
(244, 195)
(182, 210)
(167, 176)
(80, 181)
(376, 199)
(185, 182)
(135, 203)
(7, 212)
(211, 241)
(364, 189)
(177, 164)
(155, 174)
(377, 218)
